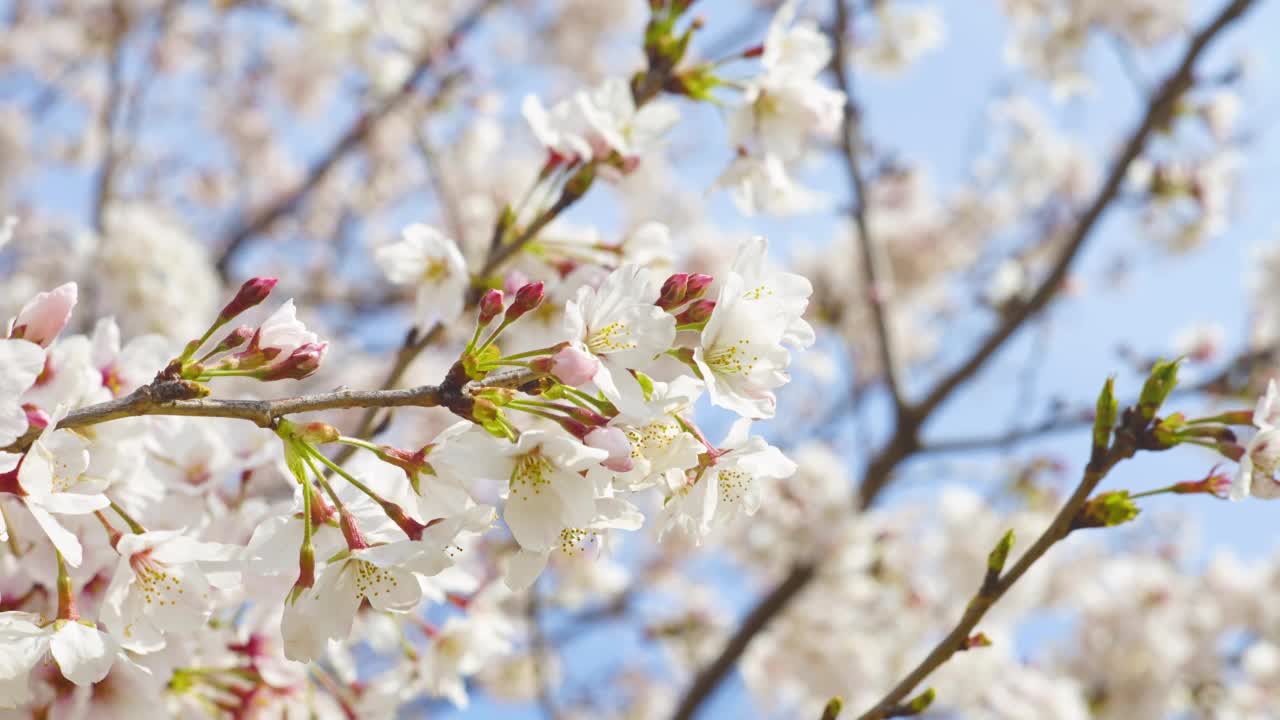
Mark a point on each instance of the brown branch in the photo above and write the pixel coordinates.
(109, 117)
(1159, 108)
(905, 441)
(874, 270)
(1128, 440)
(348, 141)
(168, 397)
(768, 607)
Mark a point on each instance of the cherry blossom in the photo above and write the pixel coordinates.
(430, 261)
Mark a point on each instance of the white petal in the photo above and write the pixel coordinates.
(73, 503)
(64, 540)
(524, 567)
(84, 654)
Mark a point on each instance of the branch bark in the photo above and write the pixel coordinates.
(169, 398)
(905, 440)
(871, 258)
(1159, 108)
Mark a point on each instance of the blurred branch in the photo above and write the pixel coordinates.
(108, 118)
(1132, 436)
(905, 440)
(768, 607)
(347, 142)
(875, 280)
(1159, 106)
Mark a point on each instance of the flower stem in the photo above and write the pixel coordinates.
(66, 597)
(134, 526)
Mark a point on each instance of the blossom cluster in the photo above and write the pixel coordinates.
(514, 369)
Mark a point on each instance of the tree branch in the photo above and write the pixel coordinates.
(1159, 108)
(768, 607)
(348, 141)
(169, 397)
(1127, 442)
(874, 270)
(905, 440)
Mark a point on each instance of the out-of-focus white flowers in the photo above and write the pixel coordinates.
(426, 259)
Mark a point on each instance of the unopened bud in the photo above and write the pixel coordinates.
(1104, 418)
(574, 366)
(1106, 509)
(527, 298)
(587, 417)
(1231, 451)
(698, 312)
(833, 708)
(698, 284)
(234, 339)
(490, 306)
(300, 363)
(45, 315)
(920, 703)
(578, 185)
(1161, 381)
(36, 417)
(976, 640)
(673, 291)
(575, 428)
(318, 432)
(251, 293)
(613, 441)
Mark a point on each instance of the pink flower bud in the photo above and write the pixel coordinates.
(573, 366)
(613, 441)
(587, 417)
(527, 298)
(300, 363)
(697, 312)
(673, 291)
(490, 306)
(698, 284)
(44, 316)
(252, 292)
(235, 339)
(36, 417)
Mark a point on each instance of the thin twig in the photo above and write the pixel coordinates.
(875, 280)
(1159, 106)
(1125, 445)
(905, 440)
(348, 141)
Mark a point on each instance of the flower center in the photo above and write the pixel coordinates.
(437, 270)
(531, 474)
(611, 338)
(731, 360)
